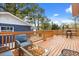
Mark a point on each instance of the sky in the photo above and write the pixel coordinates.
(58, 12)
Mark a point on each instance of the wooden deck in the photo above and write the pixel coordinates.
(58, 43)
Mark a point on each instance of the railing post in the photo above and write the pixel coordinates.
(2, 40)
(44, 38)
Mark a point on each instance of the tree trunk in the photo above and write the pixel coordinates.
(35, 24)
(38, 24)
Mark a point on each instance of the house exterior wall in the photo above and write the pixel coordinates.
(7, 19)
(22, 28)
(17, 28)
(75, 9)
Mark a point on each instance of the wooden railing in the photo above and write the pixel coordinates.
(8, 38)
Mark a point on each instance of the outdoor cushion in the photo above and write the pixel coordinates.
(6, 53)
(21, 38)
(25, 43)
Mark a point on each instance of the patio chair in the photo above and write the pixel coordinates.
(68, 52)
(22, 41)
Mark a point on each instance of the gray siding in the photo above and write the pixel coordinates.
(22, 28)
(18, 28)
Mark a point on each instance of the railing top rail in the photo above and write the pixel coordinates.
(28, 32)
(15, 33)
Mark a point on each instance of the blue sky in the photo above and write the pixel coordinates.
(58, 12)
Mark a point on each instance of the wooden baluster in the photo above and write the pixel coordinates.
(9, 41)
(6, 40)
(14, 41)
(2, 40)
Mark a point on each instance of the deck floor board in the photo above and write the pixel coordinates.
(59, 42)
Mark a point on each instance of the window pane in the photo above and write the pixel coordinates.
(7, 28)
(11, 28)
(3, 28)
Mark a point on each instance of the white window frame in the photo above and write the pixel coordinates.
(7, 30)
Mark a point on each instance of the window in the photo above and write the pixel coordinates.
(3, 28)
(7, 28)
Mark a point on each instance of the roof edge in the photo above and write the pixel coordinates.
(16, 17)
